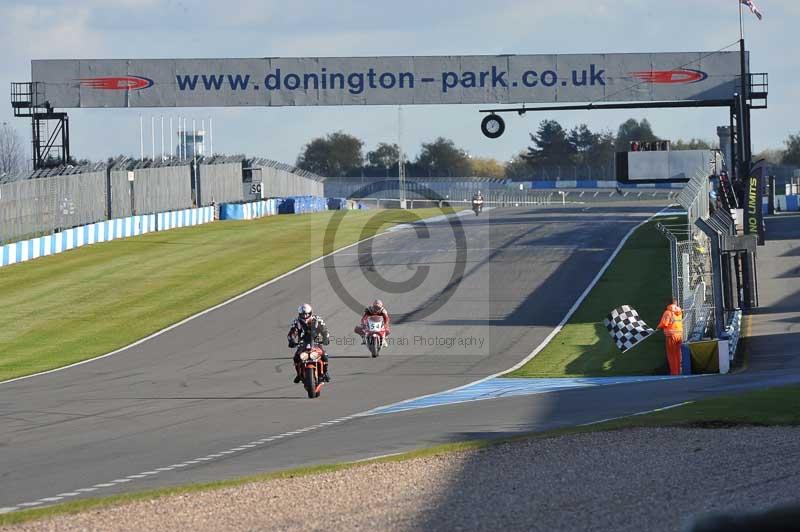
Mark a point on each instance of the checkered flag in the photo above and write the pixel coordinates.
(626, 328)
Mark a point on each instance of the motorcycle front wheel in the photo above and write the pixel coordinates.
(374, 347)
(310, 383)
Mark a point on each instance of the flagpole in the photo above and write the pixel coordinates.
(743, 115)
(741, 21)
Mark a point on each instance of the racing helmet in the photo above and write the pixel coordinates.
(377, 306)
(304, 312)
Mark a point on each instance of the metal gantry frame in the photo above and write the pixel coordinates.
(49, 129)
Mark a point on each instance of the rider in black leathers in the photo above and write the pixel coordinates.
(308, 328)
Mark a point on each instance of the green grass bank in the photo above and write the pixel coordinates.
(77, 305)
(640, 277)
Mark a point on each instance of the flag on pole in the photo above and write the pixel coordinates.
(753, 9)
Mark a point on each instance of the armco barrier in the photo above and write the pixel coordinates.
(789, 203)
(248, 211)
(343, 204)
(102, 232)
(734, 330)
(302, 205)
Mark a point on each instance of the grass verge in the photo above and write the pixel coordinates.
(77, 305)
(771, 407)
(640, 277)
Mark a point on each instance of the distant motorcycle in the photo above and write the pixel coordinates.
(477, 206)
(374, 331)
(311, 368)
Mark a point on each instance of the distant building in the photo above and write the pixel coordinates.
(191, 144)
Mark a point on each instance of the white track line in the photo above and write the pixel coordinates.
(653, 411)
(227, 302)
(550, 336)
(268, 439)
(201, 460)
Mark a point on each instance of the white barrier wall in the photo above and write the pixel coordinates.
(679, 164)
(248, 211)
(102, 232)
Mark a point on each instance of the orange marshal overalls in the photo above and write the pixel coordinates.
(672, 325)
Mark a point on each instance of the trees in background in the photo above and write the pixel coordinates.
(340, 154)
(384, 155)
(442, 158)
(487, 167)
(382, 161)
(12, 153)
(632, 130)
(336, 154)
(518, 167)
(551, 145)
(693, 144)
(592, 149)
(772, 156)
(792, 154)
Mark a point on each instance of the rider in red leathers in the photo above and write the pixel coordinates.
(376, 309)
(308, 326)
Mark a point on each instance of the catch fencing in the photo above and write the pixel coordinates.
(578, 172)
(453, 189)
(53, 200)
(690, 259)
(152, 190)
(219, 182)
(494, 190)
(282, 180)
(34, 207)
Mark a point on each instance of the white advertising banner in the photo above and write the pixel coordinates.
(506, 79)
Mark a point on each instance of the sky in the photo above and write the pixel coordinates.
(93, 29)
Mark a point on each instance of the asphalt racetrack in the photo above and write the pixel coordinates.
(213, 398)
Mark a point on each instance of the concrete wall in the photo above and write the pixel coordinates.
(680, 164)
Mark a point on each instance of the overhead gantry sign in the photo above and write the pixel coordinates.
(635, 80)
(507, 79)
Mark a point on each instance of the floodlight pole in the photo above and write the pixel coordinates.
(401, 171)
(153, 136)
(141, 138)
(162, 137)
(170, 137)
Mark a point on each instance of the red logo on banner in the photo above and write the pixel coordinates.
(117, 83)
(682, 75)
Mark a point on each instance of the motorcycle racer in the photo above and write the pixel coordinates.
(477, 202)
(376, 309)
(308, 328)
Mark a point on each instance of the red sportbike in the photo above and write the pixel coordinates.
(311, 369)
(374, 330)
